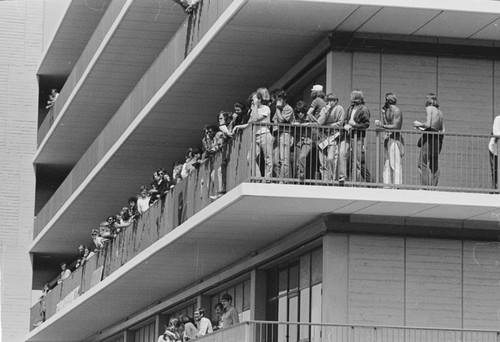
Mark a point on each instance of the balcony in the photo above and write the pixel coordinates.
(129, 37)
(262, 331)
(461, 202)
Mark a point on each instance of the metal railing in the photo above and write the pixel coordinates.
(264, 331)
(371, 158)
(293, 154)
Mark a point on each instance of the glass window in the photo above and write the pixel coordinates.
(294, 295)
(145, 333)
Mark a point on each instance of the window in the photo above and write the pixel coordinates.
(294, 295)
(241, 300)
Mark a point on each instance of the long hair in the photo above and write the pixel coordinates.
(357, 97)
(431, 100)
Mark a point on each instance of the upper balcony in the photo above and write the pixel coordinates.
(129, 37)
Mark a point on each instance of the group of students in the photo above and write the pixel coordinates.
(185, 328)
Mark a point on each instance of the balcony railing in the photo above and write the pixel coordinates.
(262, 331)
(463, 166)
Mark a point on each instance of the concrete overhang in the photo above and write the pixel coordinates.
(241, 224)
(253, 44)
(122, 47)
(72, 35)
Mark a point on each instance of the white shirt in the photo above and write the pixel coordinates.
(493, 145)
(204, 326)
(142, 204)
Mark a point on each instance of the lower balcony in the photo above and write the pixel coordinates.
(261, 331)
(267, 208)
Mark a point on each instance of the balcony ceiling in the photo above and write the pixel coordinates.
(141, 35)
(246, 220)
(262, 41)
(79, 22)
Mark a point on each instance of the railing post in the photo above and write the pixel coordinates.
(497, 166)
(377, 155)
(252, 153)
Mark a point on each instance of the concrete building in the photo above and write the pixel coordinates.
(360, 262)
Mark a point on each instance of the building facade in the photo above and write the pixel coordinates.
(21, 42)
(138, 79)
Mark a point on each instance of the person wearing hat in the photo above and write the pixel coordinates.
(312, 115)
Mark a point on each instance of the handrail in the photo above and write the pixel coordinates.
(238, 162)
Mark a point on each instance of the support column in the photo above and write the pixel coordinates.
(339, 74)
(335, 298)
(204, 301)
(258, 282)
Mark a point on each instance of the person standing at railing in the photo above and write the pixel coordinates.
(392, 120)
(230, 314)
(332, 115)
(260, 114)
(52, 98)
(493, 151)
(203, 324)
(283, 115)
(430, 143)
(302, 138)
(65, 273)
(356, 122)
(311, 135)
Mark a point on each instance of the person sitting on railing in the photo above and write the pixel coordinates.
(283, 115)
(188, 5)
(65, 273)
(493, 151)
(356, 122)
(302, 136)
(332, 115)
(394, 148)
(430, 144)
(260, 114)
(52, 98)
(193, 159)
(143, 200)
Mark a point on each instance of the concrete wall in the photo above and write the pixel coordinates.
(411, 281)
(20, 50)
(466, 87)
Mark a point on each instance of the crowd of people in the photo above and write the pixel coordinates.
(283, 151)
(185, 328)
